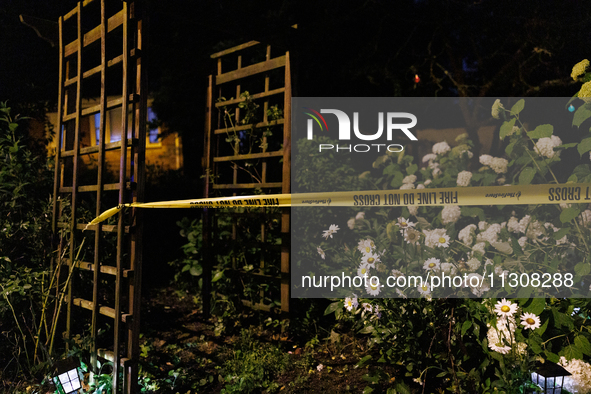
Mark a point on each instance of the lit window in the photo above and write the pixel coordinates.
(153, 131)
(97, 127)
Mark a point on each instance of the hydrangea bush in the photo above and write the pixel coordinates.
(467, 344)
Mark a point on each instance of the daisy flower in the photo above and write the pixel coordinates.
(365, 246)
(442, 241)
(373, 288)
(412, 236)
(396, 273)
(404, 224)
(432, 264)
(505, 308)
(351, 303)
(363, 270)
(424, 289)
(321, 252)
(370, 259)
(531, 321)
(331, 230)
(367, 307)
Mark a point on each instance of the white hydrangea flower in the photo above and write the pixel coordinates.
(464, 178)
(479, 247)
(448, 268)
(360, 215)
(486, 160)
(407, 186)
(524, 223)
(580, 379)
(436, 171)
(490, 234)
(545, 146)
(534, 230)
(441, 148)
(473, 263)
(496, 109)
(501, 180)
(564, 205)
(499, 165)
(450, 214)
(410, 179)
(427, 182)
(429, 157)
(420, 186)
(351, 223)
(522, 241)
(413, 210)
(585, 218)
(482, 225)
(466, 234)
(513, 225)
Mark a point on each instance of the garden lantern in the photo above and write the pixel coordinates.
(550, 377)
(67, 379)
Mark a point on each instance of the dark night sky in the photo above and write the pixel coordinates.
(341, 48)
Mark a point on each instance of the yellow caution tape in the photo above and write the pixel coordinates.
(483, 195)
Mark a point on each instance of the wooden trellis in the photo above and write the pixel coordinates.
(233, 165)
(100, 47)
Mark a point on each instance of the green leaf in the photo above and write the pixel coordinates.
(364, 360)
(367, 390)
(506, 128)
(367, 330)
(472, 212)
(402, 388)
(552, 357)
(218, 276)
(466, 326)
(582, 269)
(542, 131)
(333, 307)
(411, 169)
(582, 114)
(583, 344)
(569, 214)
(196, 270)
(571, 352)
(536, 307)
(560, 233)
(518, 107)
(543, 328)
(584, 146)
(526, 176)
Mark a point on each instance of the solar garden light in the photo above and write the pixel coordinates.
(550, 377)
(67, 379)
